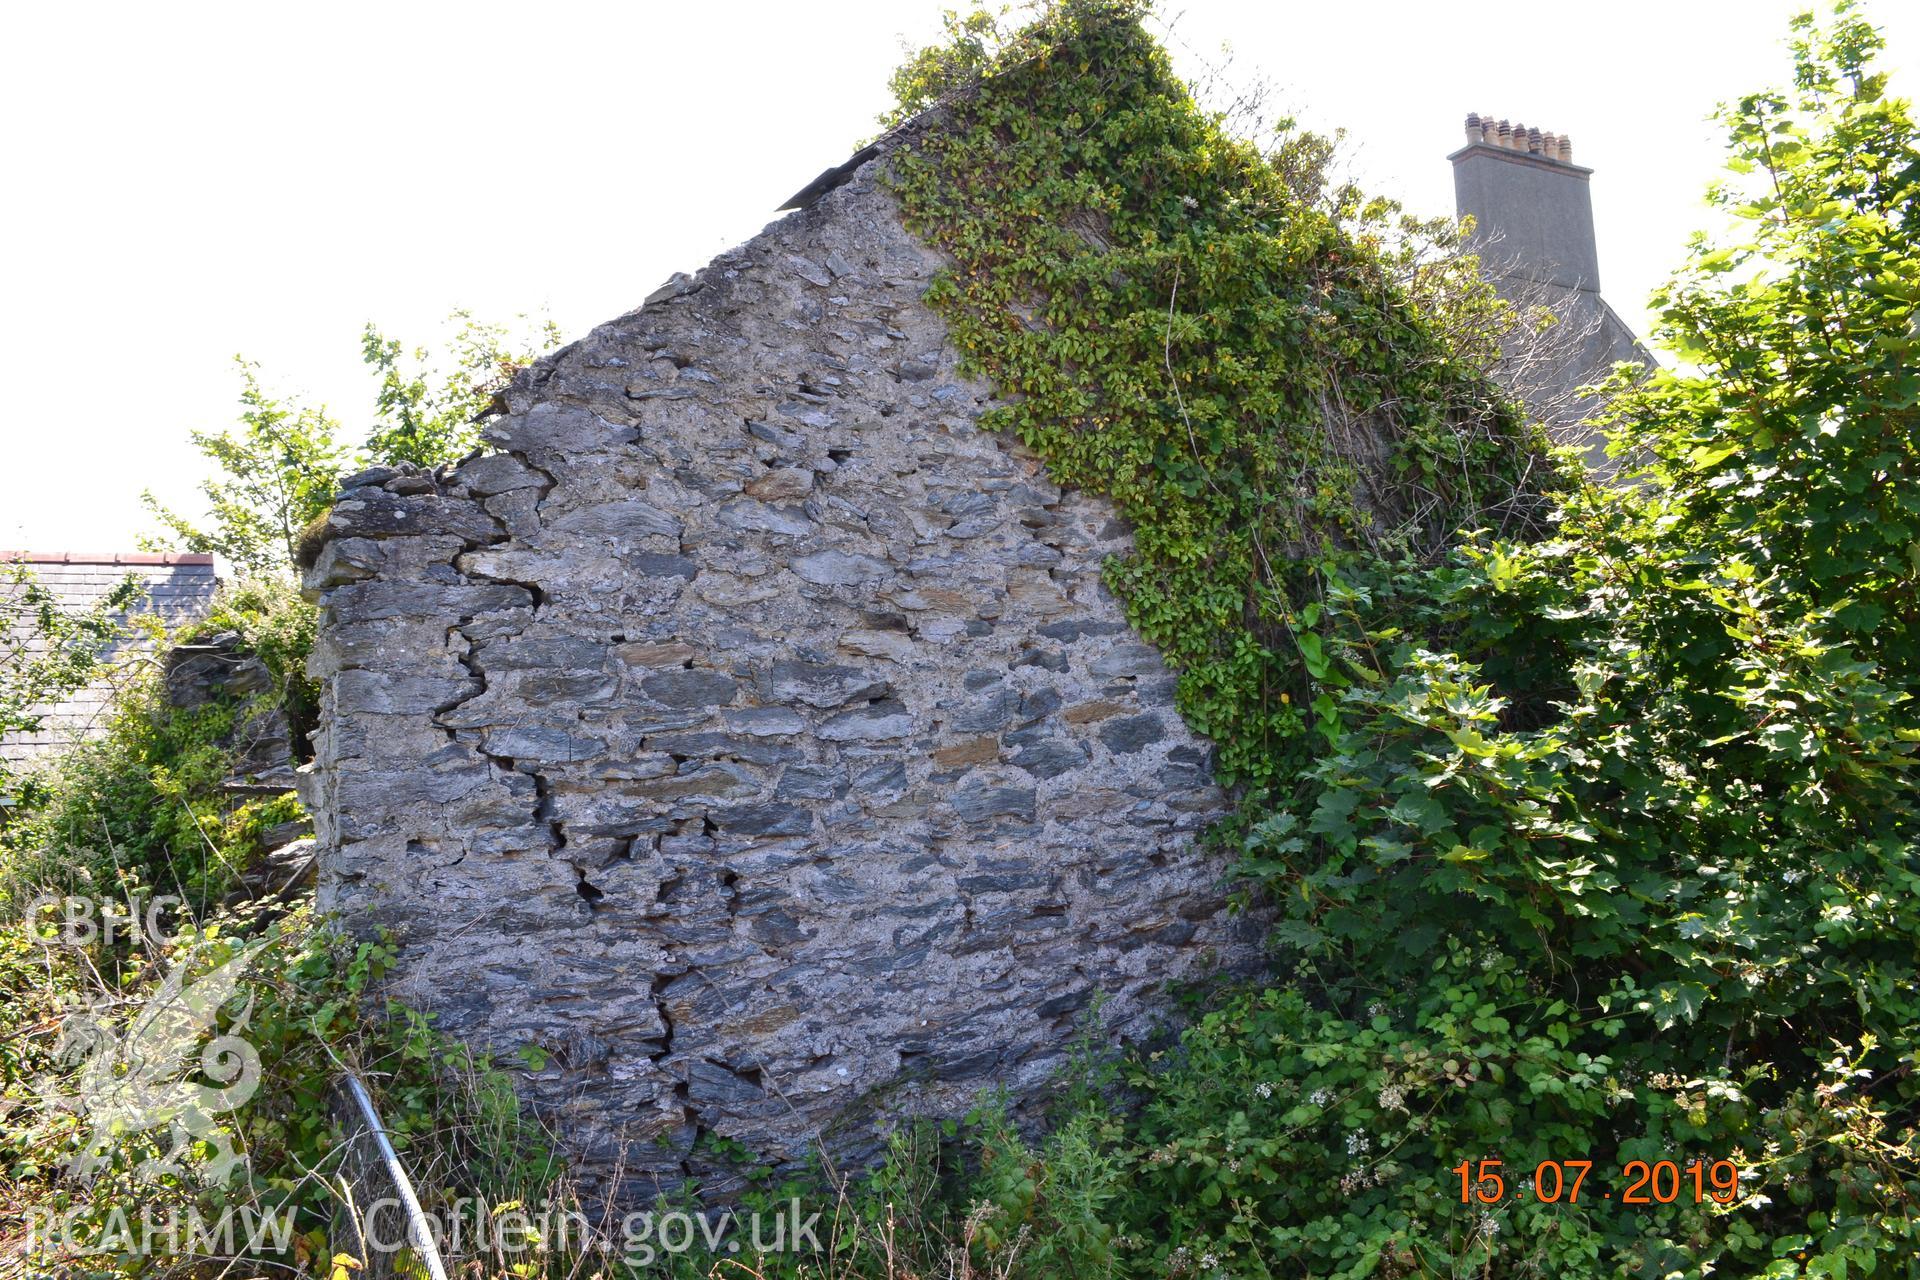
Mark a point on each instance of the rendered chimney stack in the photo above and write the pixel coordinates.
(1532, 213)
(1528, 199)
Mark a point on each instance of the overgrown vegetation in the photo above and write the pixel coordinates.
(277, 471)
(142, 807)
(430, 409)
(1595, 846)
(135, 909)
(1584, 817)
(134, 931)
(1212, 337)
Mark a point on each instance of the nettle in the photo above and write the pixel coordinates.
(1590, 836)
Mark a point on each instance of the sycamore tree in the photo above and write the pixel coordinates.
(1611, 867)
(428, 408)
(276, 470)
(272, 474)
(1795, 443)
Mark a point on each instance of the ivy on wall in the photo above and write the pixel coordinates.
(1591, 834)
(1210, 336)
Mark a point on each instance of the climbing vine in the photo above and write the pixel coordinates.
(1589, 830)
(1204, 332)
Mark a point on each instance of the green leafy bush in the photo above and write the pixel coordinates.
(304, 1004)
(277, 470)
(142, 805)
(1586, 838)
(429, 412)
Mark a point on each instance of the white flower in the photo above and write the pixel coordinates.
(1358, 1143)
(1263, 1090)
(1320, 1097)
(1190, 202)
(1392, 1098)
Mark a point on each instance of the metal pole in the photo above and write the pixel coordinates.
(416, 1220)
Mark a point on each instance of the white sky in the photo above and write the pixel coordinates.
(187, 182)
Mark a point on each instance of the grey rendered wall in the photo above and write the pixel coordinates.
(1534, 231)
(1537, 214)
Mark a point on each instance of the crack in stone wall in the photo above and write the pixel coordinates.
(752, 733)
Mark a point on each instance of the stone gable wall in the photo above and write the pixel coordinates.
(753, 733)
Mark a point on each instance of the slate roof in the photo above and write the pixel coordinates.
(177, 588)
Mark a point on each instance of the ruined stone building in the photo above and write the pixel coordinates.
(750, 735)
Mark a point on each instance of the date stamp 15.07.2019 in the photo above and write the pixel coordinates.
(1637, 1182)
